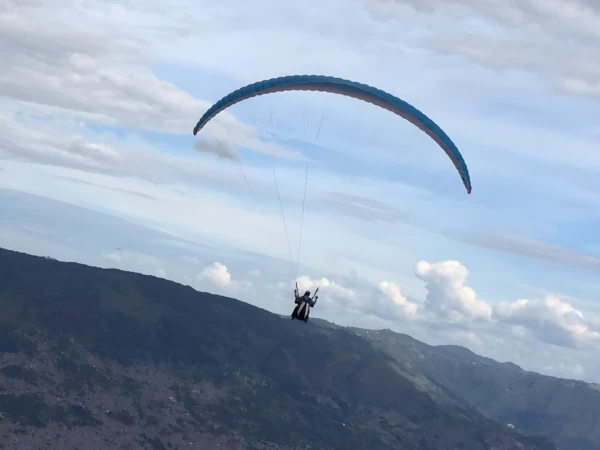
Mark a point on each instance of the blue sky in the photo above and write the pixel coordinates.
(98, 114)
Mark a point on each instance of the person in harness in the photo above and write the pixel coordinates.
(303, 304)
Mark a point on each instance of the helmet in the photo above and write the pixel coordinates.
(307, 293)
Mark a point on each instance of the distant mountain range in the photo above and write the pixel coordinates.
(93, 359)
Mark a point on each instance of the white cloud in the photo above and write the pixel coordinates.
(530, 35)
(336, 301)
(392, 291)
(160, 272)
(447, 295)
(551, 320)
(218, 274)
(326, 287)
(351, 302)
(92, 70)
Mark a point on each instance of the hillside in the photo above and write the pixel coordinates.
(566, 410)
(93, 358)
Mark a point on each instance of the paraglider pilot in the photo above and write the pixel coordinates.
(303, 304)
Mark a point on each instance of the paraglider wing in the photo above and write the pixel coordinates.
(348, 88)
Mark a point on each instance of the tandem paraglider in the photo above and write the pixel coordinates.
(303, 304)
(369, 94)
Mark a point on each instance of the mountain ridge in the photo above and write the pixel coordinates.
(92, 356)
(567, 410)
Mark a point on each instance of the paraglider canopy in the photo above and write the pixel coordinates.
(351, 89)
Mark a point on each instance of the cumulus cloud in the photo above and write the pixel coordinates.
(326, 287)
(551, 320)
(452, 306)
(336, 301)
(447, 296)
(354, 303)
(217, 274)
(392, 291)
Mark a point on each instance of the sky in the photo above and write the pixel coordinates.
(98, 162)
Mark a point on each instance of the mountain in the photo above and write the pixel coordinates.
(566, 410)
(97, 358)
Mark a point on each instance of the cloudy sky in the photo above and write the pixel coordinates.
(98, 163)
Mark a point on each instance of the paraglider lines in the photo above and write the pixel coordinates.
(283, 217)
(302, 222)
(241, 167)
(320, 125)
(246, 179)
